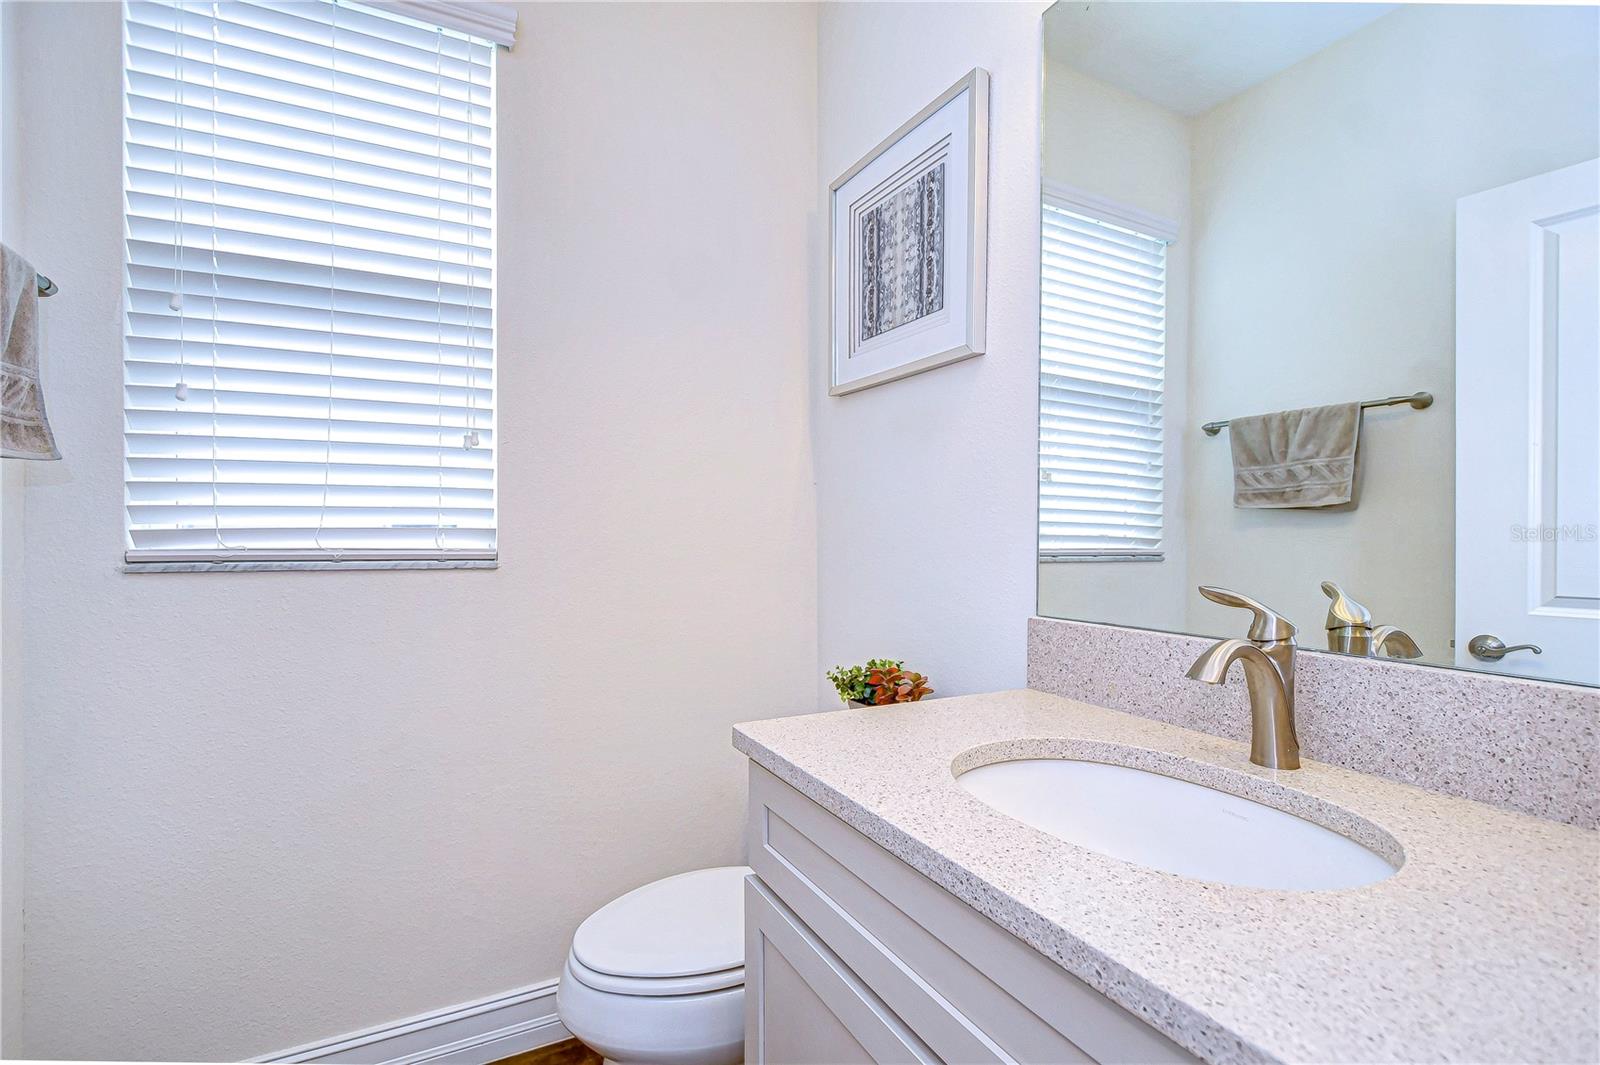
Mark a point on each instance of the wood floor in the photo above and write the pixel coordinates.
(571, 1052)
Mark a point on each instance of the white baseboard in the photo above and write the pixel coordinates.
(473, 1033)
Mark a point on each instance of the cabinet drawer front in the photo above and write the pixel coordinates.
(803, 1005)
(971, 990)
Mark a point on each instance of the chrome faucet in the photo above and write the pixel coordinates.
(1351, 631)
(1267, 658)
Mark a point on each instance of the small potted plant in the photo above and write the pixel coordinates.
(881, 682)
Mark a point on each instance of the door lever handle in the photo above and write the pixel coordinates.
(1488, 648)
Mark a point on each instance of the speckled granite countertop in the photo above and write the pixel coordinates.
(1482, 947)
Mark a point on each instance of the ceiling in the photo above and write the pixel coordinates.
(1191, 56)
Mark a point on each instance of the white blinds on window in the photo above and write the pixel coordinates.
(1102, 348)
(309, 355)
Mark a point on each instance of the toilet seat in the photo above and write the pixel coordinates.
(654, 985)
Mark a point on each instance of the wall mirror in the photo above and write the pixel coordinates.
(1281, 210)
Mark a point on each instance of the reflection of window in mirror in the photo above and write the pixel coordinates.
(1102, 352)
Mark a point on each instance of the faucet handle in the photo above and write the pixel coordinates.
(1344, 612)
(1268, 626)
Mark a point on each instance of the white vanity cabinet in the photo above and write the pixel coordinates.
(853, 956)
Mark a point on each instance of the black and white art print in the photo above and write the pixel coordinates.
(901, 244)
(909, 236)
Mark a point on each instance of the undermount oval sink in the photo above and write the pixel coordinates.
(1173, 825)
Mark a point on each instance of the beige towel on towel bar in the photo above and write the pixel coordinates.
(24, 430)
(1295, 458)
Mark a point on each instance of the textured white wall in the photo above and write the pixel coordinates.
(1324, 271)
(925, 486)
(12, 770)
(1102, 140)
(12, 475)
(268, 808)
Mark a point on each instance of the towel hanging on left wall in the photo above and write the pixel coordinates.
(24, 428)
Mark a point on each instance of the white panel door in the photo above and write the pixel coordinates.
(1528, 423)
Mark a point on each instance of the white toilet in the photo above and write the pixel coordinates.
(657, 976)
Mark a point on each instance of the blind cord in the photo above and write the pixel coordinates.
(471, 439)
(438, 281)
(175, 300)
(216, 337)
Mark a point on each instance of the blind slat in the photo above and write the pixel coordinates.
(309, 345)
(1102, 362)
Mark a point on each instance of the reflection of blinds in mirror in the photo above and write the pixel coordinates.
(1102, 349)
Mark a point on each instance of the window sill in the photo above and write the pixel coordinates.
(1046, 559)
(294, 567)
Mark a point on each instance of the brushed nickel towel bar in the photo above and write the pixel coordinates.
(47, 287)
(1419, 400)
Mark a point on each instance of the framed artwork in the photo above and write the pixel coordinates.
(909, 244)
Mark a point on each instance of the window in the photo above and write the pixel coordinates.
(1102, 349)
(309, 358)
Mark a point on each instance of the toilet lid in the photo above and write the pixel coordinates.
(685, 925)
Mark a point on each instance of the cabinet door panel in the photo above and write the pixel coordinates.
(804, 1006)
(804, 1031)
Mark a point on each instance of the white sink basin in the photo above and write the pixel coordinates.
(1173, 825)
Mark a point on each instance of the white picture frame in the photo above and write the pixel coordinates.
(908, 289)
